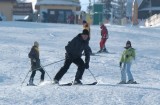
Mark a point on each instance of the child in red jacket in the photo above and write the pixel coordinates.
(104, 37)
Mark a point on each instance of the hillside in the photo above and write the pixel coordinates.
(16, 40)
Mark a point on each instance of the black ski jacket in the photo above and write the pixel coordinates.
(34, 56)
(76, 46)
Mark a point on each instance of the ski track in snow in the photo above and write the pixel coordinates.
(17, 38)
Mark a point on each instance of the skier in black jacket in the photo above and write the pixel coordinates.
(73, 54)
(35, 63)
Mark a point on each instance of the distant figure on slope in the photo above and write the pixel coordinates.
(35, 63)
(73, 54)
(127, 57)
(87, 27)
(104, 37)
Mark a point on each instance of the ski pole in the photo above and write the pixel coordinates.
(93, 75)
(40, 68)
(25, 78)
(46, 72)
(48, 64)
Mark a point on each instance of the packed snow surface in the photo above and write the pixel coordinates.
(16, 40)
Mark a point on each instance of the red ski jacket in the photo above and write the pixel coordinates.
(104, 32)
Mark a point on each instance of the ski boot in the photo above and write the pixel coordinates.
(31, 82)
(41, 81)
(131, 82)
(55, 82)
(122, 82)
(100, 51)
(77, 82)
(105, 50)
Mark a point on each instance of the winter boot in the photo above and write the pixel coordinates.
(77, 82)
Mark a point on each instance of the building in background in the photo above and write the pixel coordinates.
(98, 13)
(23, 12)
(6, 9)
(58, 11)
(146, 8)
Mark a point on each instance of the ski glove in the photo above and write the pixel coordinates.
(86, 65)
(34, 60)
(127, 56)
(120, 64)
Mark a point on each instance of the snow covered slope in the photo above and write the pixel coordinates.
(16, 39)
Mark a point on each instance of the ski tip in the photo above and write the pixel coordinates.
(31, 85)
(95, 83)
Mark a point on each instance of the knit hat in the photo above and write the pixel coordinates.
(36, 43)
(84, 21)
(102, 25)
(128, 42)
(85, 32)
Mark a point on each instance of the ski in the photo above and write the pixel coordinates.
(70, 84)
(129, 83)
(94, 83)
(133, 83)
(66, 84)
(95, 54)
(104, 53)
(31, 85)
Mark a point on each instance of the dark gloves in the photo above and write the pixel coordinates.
(34, 60)
(127, 56)
(120, 64)
(86, 65)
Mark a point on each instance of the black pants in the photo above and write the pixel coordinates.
(34, 72)
(81, 67)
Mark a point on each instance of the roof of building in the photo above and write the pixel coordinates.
(152, 9)
(151, 5)
(58, 2)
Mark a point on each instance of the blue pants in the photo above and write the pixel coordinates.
(126, 70)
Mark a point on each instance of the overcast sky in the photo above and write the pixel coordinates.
(85, 3)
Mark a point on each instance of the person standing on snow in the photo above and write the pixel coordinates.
(87, 27)
(127, 57)
(35, 63)
(104, 37)
(73, 54)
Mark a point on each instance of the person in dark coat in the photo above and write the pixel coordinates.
(73, 54)
(35, 63)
